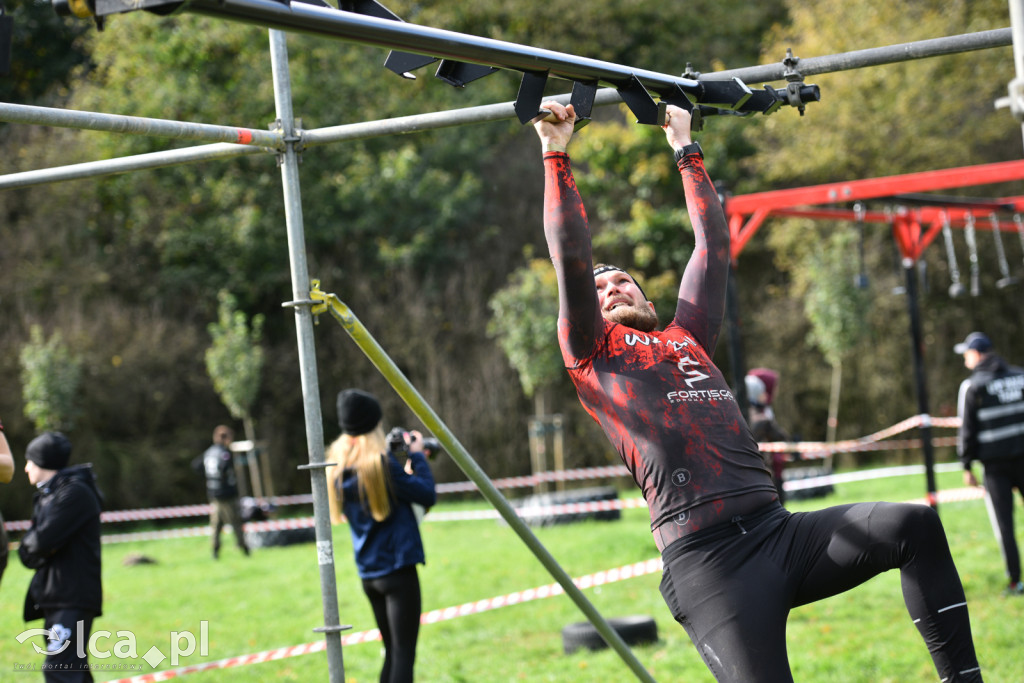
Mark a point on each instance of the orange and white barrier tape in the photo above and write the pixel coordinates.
(540, 592)
(434, 616)
(808, 451)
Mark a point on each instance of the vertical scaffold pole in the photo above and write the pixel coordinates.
(1016, 86)
(921, 385)
(307, 354)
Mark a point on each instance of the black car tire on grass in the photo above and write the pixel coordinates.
(633, 630)
(278, 537)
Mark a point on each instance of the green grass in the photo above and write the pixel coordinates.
(272, 600)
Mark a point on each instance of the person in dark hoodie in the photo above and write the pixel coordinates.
(376, 492)
(63, 546)
(991, 409)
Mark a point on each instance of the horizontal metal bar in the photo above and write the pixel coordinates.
(114, 123)
(434, 120)
(407, 37)
(137, 162)
(310, 138)
(485, 113)
(875, 56)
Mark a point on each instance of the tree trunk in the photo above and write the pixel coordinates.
(539, 440)
(833, 401)
(250, 457)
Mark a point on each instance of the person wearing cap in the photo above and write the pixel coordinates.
(62, 545)
(761, 385)
(735, 561)
(991, 409)
(218, 465)
(376, 492)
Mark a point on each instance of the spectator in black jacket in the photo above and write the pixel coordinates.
(218, 464)
(63, 546)
(991, 409)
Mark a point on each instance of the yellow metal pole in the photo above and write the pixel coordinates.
(380, 359)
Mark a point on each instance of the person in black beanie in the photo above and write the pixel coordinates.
(63, 546)
(376, 492)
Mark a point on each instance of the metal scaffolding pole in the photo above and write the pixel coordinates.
(325, 21)
(138, 162)
(876, 56)
(307, 357)
(114, 123)
(480, 114)
(1015, 89)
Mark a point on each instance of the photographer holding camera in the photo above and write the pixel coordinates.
(377, 492)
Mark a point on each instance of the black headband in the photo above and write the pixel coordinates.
(607, 268)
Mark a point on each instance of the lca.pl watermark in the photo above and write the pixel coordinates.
(125, 647)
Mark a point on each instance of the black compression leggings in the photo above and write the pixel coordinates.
(396, 603)
(1001, 477)
(732, 586)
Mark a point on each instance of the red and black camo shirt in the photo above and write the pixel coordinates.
(660, 399)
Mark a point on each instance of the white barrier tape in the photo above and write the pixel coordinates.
(955, 495)
(608, 471)
(533, 510)
(275, 525)
(177, 512)
(308, 522)
(269, 655)
(432, 617)
(866, 475)
(813, 451)
(810, 450)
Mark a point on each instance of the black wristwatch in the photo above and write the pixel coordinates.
(692, 148)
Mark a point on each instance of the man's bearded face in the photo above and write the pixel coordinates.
(622, 302)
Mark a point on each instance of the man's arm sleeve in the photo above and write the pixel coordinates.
(701, 306)
(568, 239)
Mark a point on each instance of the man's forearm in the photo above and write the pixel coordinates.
(568, 239)
(565, 219)
(711, 230)
(703, 285)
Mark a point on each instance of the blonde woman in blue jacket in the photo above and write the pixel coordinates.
(376, 493)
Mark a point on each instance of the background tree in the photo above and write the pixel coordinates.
(418, 232)
(234, 362)
(836, 306)
(919, 115)
(525, 323)
(45, 53)
(50, 377)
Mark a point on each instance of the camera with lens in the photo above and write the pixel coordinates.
(397, 444)
(396, 441)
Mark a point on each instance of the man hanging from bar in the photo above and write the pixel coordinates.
(736, 561)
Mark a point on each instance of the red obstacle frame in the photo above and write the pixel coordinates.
(913, 228)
